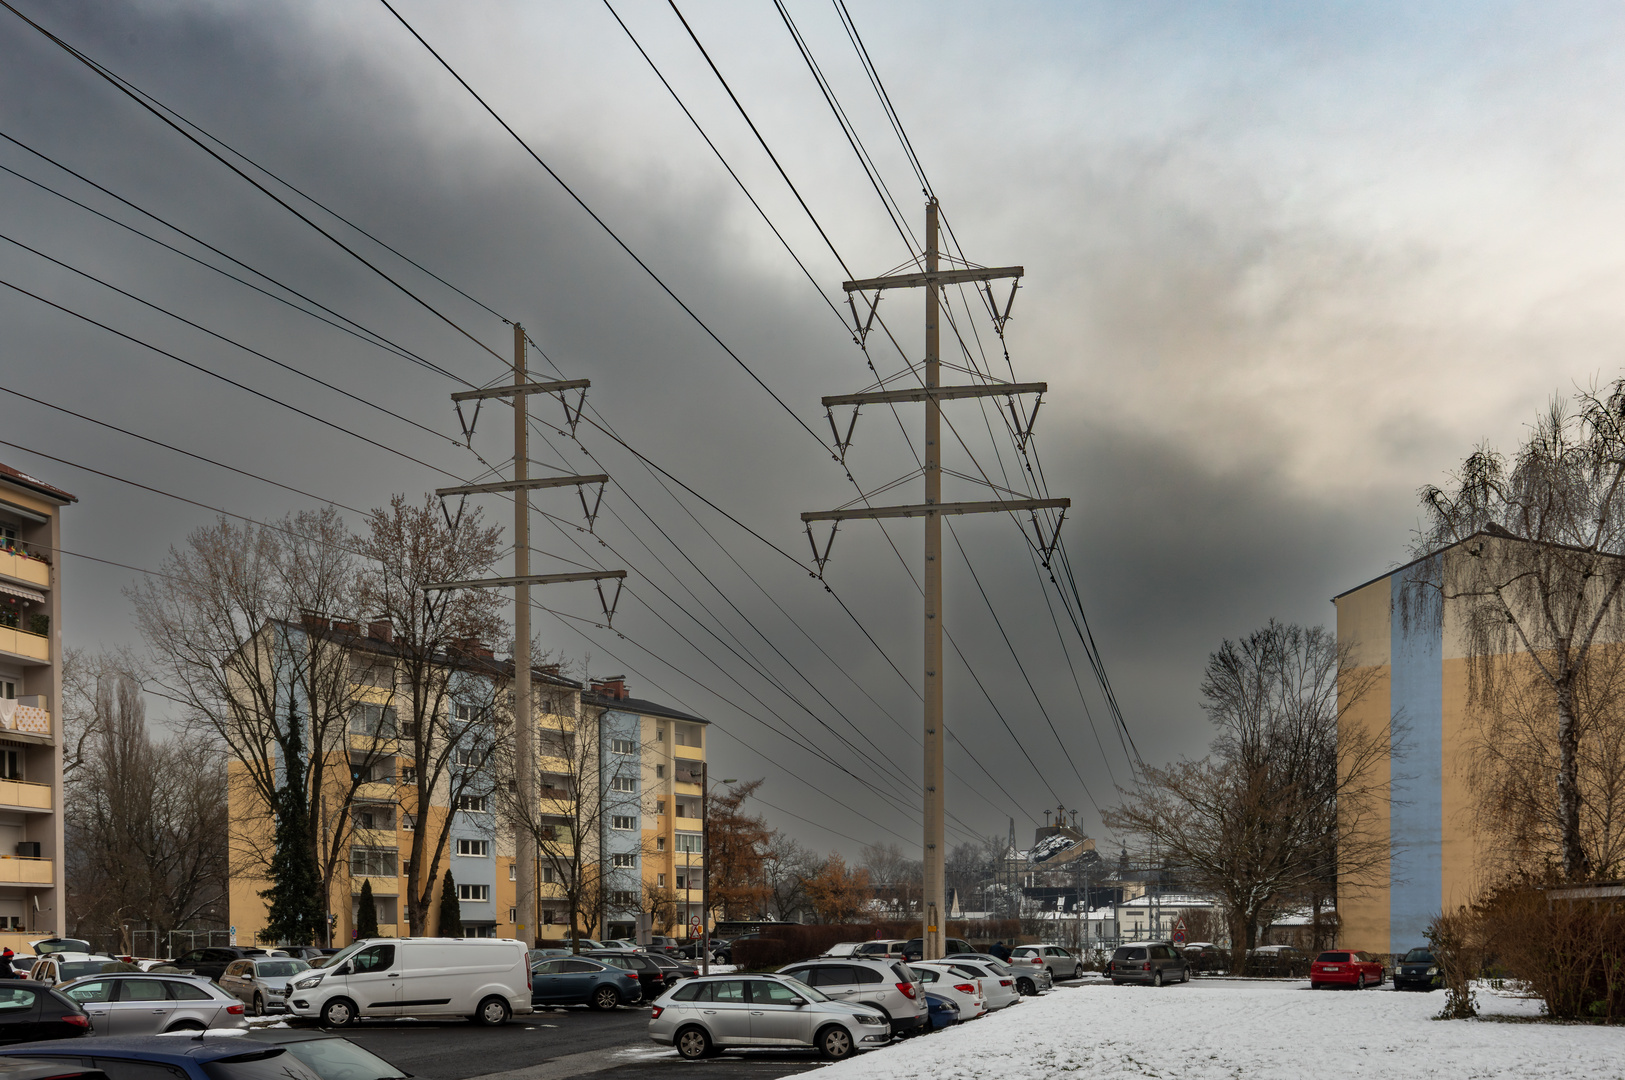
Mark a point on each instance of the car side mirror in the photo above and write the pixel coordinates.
(343, 969)
(798, 1001)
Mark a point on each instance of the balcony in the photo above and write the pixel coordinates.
(384, 789)
(27, 720)
(19, 567)
(381, 886)
(378, 838)
(21, 643)
(689, 753)
(15, 870)
(25, 796)
(387, 745)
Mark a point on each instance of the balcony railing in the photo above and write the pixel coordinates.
(17, 870)
(19, 564)
(25, 794)
(20, 642)
(689, 753)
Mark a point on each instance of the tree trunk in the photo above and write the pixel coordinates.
(1576, 866)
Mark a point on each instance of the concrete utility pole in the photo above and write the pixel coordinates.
(524, 715)
(933, 393)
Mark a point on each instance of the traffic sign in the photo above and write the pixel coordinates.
(1179, 932)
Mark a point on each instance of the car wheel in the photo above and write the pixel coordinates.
(1025, 988)
(1156, 978)
(1313, 985)
(340, 1012)
(1360, 984)
(835, 1043)
(259, 1005)
(693, 1043)
(1117, 982)
(493, 1012)
(605, 998)
(185, 1025)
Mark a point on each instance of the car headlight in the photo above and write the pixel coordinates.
(869, 1018)
(306, 984)
(1433, 971)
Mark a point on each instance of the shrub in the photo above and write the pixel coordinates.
(1453, 940)
(1569, 953)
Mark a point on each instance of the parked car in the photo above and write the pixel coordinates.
(962, 990)
(1204, 956)
(724, 952)
(45, 946)
(882, 947)
(56, 968)
(705, 1016)
(308, 953)
(583, 980)
(1417, 971)
(1154, 962)
(914, 948)
(329, 1056)
(147, 1004)
(676, 969)
(884, 985)
(30, 1011)
(1028, 983)
(148, 1057)
(943, 1011)
(661, 944)
(214, 960)
(485, 979)
(996, 983)
(842, 949)
(651, 976)
(262, 982)
(1338, 968)
(1060, 963)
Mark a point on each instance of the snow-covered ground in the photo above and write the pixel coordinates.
(1212, 1028)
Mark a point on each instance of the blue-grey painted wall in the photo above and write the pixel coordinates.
(1416, 812)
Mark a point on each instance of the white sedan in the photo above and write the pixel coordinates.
(997, 983)
(962, 990)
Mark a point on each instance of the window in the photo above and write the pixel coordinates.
(471, 714)
(682, 881)
(623, 898)
(687, 735)
(474, 892)
(373, 958)
(623, 821)
(371, 672)
(660, 843)
(625, 860)
(377, 721)
(478, 849)
(549, 916)
(549, 876)
(513, 915)
(479, 931)
(373, 862)
(623, 746)
(468, 755)
(660, 772)
(685, 810)
(474, 804)
(660, 806)
(513, 875)
(409, 774)
(660, 733)
(375, 817)
(688, 842)
(554, 743)
(623, 783)
(409, 822)
(660, 881)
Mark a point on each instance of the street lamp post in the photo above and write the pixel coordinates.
(705, 866)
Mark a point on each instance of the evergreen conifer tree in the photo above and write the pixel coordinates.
(451, 912)
(366, 920)
(296, 914)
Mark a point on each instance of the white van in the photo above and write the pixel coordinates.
(484, 979)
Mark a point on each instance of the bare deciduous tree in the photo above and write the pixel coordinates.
(786, 866)
(1282, 804)
(1538, 578)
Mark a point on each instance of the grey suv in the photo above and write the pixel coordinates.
(702, 1017)
(1061, 964)
(887, 986)
(1154, 962)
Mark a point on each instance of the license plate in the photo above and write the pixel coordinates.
(1330, 969)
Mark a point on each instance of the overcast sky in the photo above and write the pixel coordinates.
(1285, 265)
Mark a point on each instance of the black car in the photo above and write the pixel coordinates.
(583, 980)
(1417, 971)
(724, 951)
(329, 1056)
(676, 969)
(914, 949)
(30, 1011)
(651, 976)
(214, 960)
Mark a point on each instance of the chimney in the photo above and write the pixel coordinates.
(342, 627)
(313, 622)
(614, 689)
(381, 629)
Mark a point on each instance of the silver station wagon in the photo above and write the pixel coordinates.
(703, 1017)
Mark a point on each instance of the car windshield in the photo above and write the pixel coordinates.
(341, 1059)
(280, 969)
(78, 969)
(1418, 956)
(809, 992)
(273, 1064)
(45, 948)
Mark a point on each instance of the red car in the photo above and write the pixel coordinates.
(1356, 969)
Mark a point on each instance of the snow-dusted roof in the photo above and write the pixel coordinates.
(1169, 900)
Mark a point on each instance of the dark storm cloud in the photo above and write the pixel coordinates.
(1260, 337)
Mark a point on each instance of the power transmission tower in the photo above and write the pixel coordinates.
(522, 579)
(932, 278)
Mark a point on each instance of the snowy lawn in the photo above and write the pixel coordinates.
(1211, 1028)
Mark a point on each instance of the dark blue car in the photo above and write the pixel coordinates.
(581, 980)
(170, 1057)
(943, 1011)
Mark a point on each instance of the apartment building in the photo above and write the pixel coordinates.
(32, 889)
(623, 771)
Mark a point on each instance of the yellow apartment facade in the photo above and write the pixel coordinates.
(32, 888)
